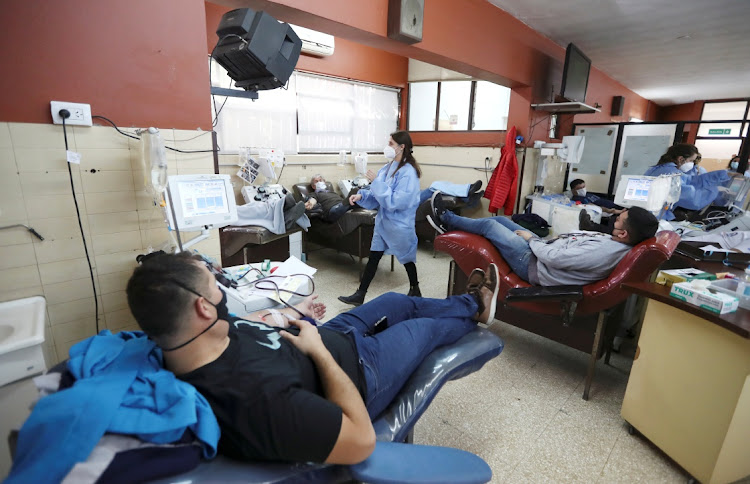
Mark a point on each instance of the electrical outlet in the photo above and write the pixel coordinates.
(80, 114)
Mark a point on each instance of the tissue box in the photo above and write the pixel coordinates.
(672, 276)
(718, 302)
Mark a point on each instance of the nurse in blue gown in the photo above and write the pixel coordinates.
(394, 193)
(697, 190)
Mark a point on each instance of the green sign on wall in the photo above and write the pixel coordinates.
(720, 131)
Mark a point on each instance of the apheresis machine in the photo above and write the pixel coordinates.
(728, 213)
(202, 202)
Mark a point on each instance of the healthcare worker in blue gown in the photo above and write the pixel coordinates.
(394, 192)
(697, 191)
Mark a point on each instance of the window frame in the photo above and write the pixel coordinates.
(472, 101)
(242, 94)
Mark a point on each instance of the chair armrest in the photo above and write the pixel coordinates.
(545, 293)
(567, 296)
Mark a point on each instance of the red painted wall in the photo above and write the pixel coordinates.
(350, 60)
(473, 37)
(138, 62)
(684, 112)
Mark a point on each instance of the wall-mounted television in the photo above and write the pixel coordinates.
(575, 74)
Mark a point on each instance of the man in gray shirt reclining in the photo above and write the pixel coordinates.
(577, 258)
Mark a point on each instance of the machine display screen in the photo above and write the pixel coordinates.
(637, 189)
(203, 197)
(735, 188)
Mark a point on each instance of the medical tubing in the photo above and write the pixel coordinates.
(64, 113)
(174, 219)
(275, 287)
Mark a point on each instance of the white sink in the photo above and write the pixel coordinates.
(6, 331)
(21, 338)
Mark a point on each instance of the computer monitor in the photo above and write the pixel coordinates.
(739, 192)
(200, 202)
(648, 192)
(575, 74)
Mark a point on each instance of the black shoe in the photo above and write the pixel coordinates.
(414, 291)
(475, 187)
(355, 299)
(437, 209)
(474, 199)
(439, 228)
(584, 221)
(291, 215)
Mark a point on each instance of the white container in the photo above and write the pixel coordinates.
(562, 219)
(21, 338)
(730, 286)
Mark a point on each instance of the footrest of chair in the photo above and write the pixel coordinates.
(395, 462)
(545, 293)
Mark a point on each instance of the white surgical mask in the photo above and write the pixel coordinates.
(686, 167)
(734, 165)
(581, 192)
(320, 186)
(389, 152)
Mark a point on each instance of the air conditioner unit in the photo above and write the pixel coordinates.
(314, 43)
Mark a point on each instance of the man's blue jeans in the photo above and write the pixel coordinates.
(415, 327)
(338, 211)
(499, 231)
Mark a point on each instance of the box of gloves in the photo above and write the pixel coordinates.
(698, 294)
(671, 276)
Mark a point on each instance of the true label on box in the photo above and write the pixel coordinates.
(717, 302)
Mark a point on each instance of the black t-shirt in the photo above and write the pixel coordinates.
(267, 395)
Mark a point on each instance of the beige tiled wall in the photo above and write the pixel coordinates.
(117, 215)
(455, 164)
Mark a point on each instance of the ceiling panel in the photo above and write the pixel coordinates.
(668, 51)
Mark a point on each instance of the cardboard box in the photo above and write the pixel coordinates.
(672, 276)
(717, 302)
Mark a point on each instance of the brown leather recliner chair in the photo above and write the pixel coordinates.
(351, 234)
(576, 316)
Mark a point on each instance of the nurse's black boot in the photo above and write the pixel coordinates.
(355, 299)
(414, 291)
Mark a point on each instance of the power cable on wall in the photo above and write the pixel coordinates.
(129, 135)
(65, 114)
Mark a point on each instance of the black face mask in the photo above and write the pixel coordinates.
(221, 309)
(222, 312)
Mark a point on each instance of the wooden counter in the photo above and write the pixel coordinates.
(689, 388)
(736, 322)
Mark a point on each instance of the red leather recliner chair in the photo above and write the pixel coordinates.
(575, 316)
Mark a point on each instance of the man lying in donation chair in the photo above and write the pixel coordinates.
(335, 223)
(581, 271)
(280, 388)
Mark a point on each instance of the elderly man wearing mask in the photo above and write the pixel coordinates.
(325, 203)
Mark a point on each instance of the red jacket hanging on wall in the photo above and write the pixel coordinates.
(501, 190)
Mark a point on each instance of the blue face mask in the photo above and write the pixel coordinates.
(733, 165)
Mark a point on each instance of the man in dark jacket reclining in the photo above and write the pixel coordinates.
(329, 205)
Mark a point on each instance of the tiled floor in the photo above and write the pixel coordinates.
(523, 412)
